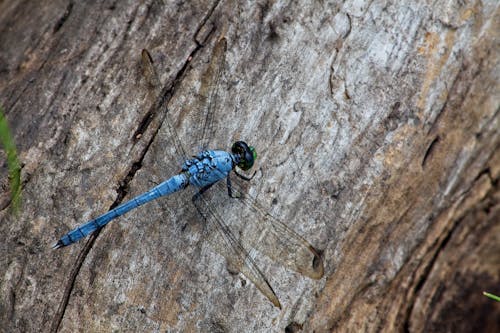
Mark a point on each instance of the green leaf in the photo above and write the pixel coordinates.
(7, 142)
(495, 297)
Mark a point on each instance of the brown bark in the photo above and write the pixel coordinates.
(377, 127)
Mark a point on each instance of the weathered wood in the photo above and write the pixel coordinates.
(377, 128)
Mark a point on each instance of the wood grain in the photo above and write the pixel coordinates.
(377, 129)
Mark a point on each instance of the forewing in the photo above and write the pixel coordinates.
(201, 112)
(155, 88)
(207, 96)
(227, 244)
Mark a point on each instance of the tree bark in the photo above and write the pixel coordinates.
(377, 129)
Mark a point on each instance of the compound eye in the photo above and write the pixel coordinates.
(247, 154)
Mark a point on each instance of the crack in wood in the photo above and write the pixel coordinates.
(198, 38)
(430, 149)
(71, 281)
(425, 275)
(63, 18)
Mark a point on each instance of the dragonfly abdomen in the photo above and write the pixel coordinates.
(171, 185)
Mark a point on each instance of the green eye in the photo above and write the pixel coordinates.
(254, 152)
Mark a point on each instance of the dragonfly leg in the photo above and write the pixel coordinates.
(230, 189)
(155, 183)
(243, 176)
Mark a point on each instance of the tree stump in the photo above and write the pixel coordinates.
(377, 129)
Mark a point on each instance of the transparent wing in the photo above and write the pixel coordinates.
(218, 233)
(156, 95)
(225, 243)
(207, 101)
(201, 112)
(259, 230)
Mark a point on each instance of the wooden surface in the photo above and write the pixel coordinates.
(377, 128)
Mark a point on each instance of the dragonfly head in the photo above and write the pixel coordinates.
(247, 154)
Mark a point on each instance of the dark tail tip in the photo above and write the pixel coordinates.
(57, 245)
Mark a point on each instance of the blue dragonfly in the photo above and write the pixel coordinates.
(205, 173)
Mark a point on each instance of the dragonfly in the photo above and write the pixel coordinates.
(209, 174)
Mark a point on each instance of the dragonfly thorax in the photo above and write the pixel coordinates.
(209, 167)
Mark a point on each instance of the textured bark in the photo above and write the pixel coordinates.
(377, 127)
